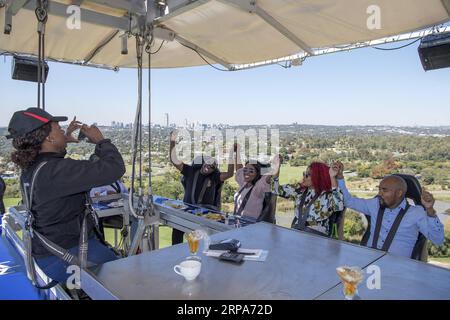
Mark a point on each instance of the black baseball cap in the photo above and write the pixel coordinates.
(26, 121)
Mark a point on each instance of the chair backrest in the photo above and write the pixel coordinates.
(336, 221)
(413, 192)
(269, 208)
(366, 235)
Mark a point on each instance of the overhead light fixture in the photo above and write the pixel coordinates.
(434, 51)
(26, 69)
(124, 41)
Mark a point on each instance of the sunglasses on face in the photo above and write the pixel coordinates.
(210, 166)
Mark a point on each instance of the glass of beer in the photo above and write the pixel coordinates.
(351, 277)
(193, 239)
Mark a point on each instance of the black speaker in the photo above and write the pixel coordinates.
(434, 51)
(26, 68)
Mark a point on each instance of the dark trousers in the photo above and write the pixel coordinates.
(56, 268)
(177, 236)
(2, 206)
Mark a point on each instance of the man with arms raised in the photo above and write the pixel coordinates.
(393, 209)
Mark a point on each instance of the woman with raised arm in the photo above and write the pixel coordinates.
(316, 198)
(254, 181)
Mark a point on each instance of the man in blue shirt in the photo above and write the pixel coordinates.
(391, 195)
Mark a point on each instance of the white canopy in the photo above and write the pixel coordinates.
(228, 32)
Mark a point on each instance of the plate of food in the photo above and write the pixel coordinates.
(175, 205)
(213, 216)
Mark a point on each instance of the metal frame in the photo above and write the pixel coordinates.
(89, 16)
(155, 19)
(100, 46)
(94, 289)
(251, 6)
(129, 6)
(204, 52)
(178, 7)
(188, 222)
(58, 292)
(16, 5)
(446, 4)
(324, 51)
(12, 7)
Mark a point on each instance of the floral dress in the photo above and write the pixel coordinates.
(320, 211)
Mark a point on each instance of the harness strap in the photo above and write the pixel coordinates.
(194, 186)
(203, 190)
(244, 201)
(199, 200)
(392, 231)
(52, 247)
(303, 211)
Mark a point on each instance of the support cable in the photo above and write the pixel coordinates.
(42, 17)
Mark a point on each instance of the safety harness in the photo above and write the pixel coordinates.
(30, 234)
(390, 237)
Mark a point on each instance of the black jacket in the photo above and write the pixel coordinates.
(60, 192)
(2, 192)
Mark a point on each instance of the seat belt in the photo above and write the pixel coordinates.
(302, 212)
(202, 191)
(116, 187)
(194, 187)
(244, 201)
(392, 231)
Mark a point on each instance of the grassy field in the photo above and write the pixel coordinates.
(441, 260)
(10, 202)
(165, 236)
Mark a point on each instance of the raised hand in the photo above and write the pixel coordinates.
(428, 202)
(276, 164)
(334, 171)
(173, 136)
(93, 134)
(74, 125)
(340, 169)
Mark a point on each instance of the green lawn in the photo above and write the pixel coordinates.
(165, 236)
(290, 174)
(442, 260)
(10, 202)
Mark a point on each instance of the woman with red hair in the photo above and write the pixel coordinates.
(316, 198)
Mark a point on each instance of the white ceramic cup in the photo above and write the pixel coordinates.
(189, 269)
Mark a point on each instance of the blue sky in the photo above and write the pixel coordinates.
(364, 86)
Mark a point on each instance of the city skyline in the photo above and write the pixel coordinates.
(361, 87)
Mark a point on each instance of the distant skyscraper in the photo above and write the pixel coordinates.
(167, 119)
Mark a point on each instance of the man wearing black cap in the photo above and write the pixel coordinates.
(202, 181)
(60, 187)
